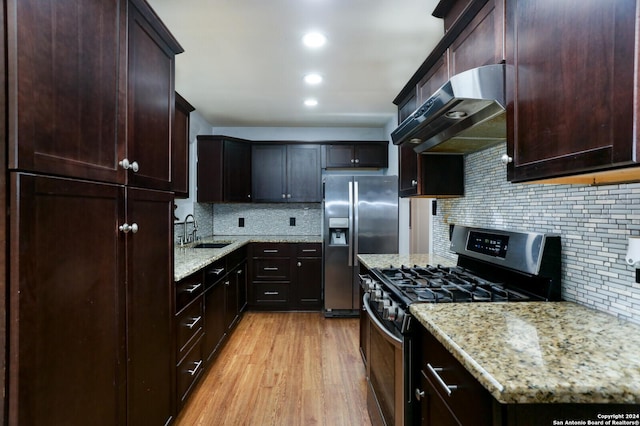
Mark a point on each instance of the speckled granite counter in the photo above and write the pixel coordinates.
(540, 352)
(188, 260)
(386, 260)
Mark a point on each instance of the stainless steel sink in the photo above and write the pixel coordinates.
(211, 245)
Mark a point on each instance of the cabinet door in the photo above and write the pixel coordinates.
(150, 101)
(67, 324)
(237, 171)
(371, 155)
(308, 283)
(433, 410)
(214, 327)
(482, 40)
(268, 172)
(304, 182)
(63, 87)
(231, 301)
(340, 155)
(210, 172)
(180, 148)
(150, 366)
(437, 75)
(569, 87)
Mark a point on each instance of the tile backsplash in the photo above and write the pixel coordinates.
(258, 219)
(593, 221)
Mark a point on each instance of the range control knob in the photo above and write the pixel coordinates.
(390, 312)
(376, 294)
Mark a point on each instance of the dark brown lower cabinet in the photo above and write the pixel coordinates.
(285, 276)
(150, 358)
(67, 348)
(90, 324)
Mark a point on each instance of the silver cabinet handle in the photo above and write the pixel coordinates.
(505, 159)
(288, 195)
(195, 321)
(125, 164)
(284, 196)
(352, 161)
(271, 293)
(357, 161)
(193, 288)
(419, 394)
(197, 365)
(447, 388)
(299, 264)
(239, 271)
(217, 271)
(309, 250)
(125, 227)
(414, 182)
(270, 268)
(249, 196)
(269, 251)
(227, 283)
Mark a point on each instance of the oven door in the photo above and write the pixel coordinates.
(385, 395)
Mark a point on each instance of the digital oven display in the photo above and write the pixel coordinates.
(489, 244)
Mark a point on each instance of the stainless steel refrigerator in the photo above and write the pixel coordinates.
(360, 216)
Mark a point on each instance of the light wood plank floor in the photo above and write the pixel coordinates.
(284, 369)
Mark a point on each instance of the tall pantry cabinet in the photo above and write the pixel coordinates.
(90, 104)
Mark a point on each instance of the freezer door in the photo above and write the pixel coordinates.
(338, 294)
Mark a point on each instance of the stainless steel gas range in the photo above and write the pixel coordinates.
(493, 266)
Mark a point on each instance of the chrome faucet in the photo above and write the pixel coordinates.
(192, 235)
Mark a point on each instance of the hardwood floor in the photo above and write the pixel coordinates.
(284, 369)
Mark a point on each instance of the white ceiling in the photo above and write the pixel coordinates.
(244, 60)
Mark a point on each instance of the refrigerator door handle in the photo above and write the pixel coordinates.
(350, 243)
(356, 222)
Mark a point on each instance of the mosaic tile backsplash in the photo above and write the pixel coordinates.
(259, 219)
(594, 223)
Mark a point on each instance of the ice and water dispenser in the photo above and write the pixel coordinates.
(338, 231)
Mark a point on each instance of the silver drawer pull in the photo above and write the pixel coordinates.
(193, 288)
(270, 268)
(217, 271)
(271, 293)
(270, 250)
(195, 321)
(197, 365)
(447, 388)
(309, 250)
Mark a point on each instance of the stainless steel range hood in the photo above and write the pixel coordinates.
(466, 114)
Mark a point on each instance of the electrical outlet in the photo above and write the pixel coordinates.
(241, 222)
(292, 221)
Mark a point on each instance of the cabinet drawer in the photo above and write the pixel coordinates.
(188, 289)
(215, 272)
(309, 250)
(271, 249)
(272, 269)
(189, 323)
(470, 402)
(271, 293)
(189, 370)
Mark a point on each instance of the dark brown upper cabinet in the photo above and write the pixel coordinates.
(150, 107)
(65, 83)
(357, 154)
(180, 147)
(78, 105)
(286, 173)
(474, 37)
(224, 169)
(571, 101)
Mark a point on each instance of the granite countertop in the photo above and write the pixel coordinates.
(397, 260)
(540, 352)
(188, 260)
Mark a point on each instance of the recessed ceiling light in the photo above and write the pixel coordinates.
(310, 102)
(313, 78)
(314, 39)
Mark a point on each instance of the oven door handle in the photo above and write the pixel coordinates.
(386, 333)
